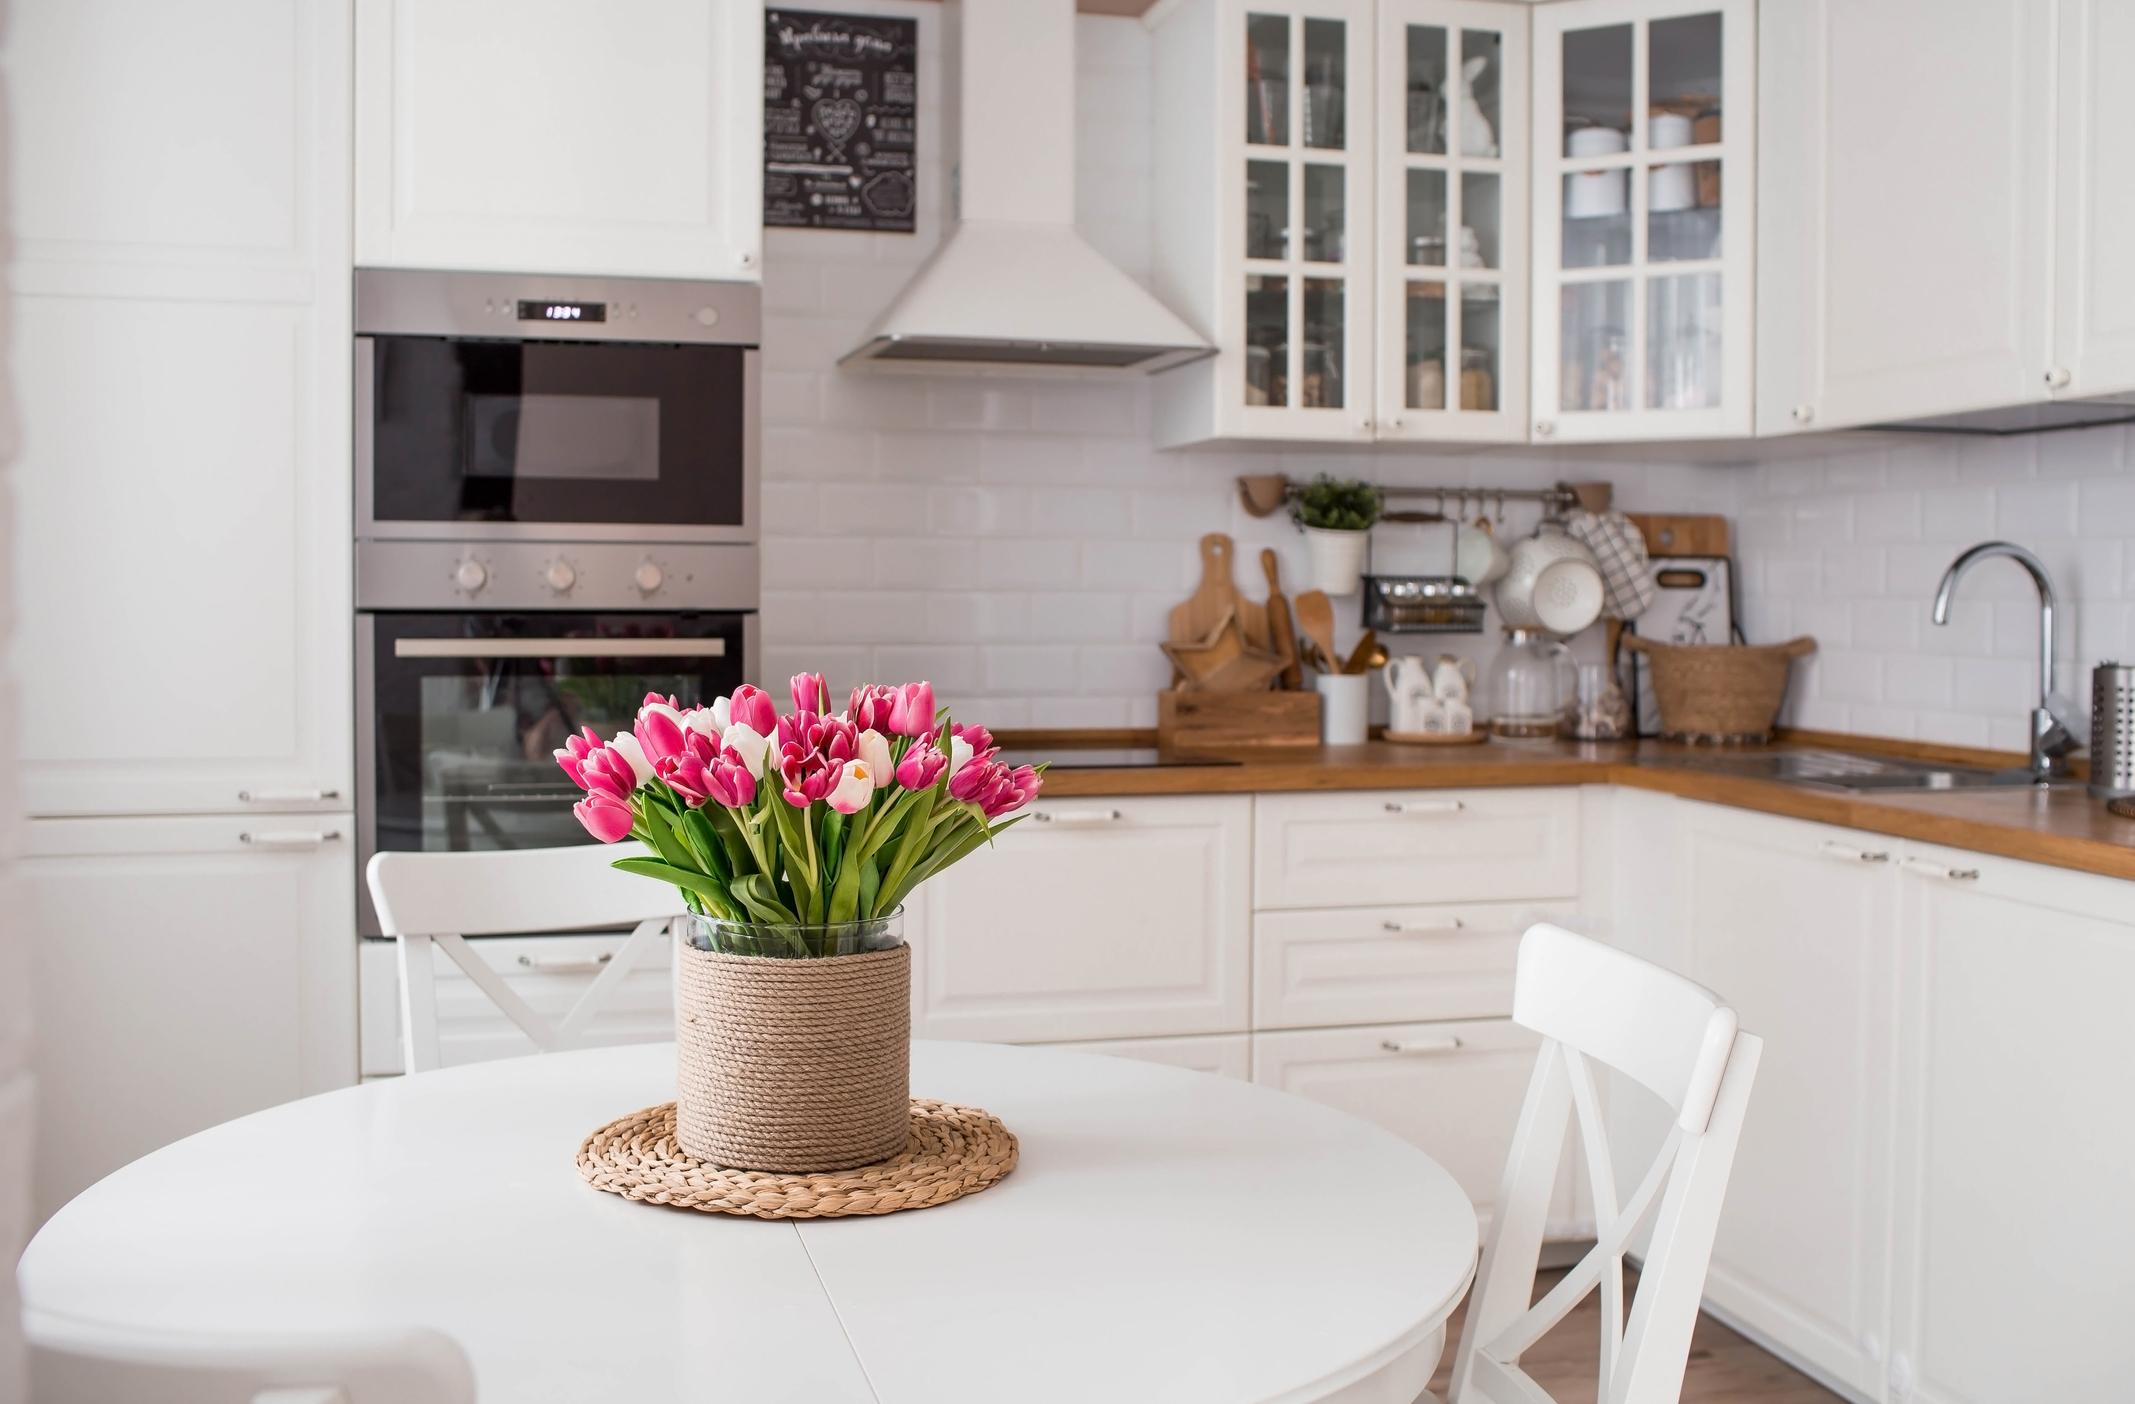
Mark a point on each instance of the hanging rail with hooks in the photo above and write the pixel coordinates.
(1265, 494)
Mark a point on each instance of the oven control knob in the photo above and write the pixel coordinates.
(649, 577)
(560, 576)
(470, 576)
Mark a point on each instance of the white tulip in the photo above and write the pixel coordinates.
(874, 749)
(710, 720)
(752, 746)
(855, 785)
(634, 753)
(959, 754)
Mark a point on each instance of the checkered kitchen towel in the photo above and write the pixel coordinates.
(1620, 550)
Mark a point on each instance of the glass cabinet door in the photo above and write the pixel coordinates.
(1305, 139)
(1452, 340)
(1642, 219)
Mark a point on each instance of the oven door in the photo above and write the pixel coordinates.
(468, 437)
(459, 714)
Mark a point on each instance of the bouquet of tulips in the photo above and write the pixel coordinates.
(809, 819)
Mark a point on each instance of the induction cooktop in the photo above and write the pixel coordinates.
(1107, 758)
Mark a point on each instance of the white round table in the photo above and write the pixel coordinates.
(1168, 1235)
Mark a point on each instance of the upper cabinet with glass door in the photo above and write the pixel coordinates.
(1452, 245)
(1644, 119)
(1264, 182)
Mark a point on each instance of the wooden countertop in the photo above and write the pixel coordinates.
(2064, 826)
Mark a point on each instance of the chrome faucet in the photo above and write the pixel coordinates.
(2050, 741)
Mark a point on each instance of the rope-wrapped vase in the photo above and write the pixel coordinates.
(793, 1063)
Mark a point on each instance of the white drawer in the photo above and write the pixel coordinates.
(548, 972)
(1095, 918)
(1377, 965)
(1226, 1055)
(1454, 1089)
(1360, 848)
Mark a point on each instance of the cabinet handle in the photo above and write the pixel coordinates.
(1901, 1376)
(1434, 806)
(272, 839)
(2059, 378)
(1444, 926)
(589, 966)
(1544, 428)
(1450, 1043)
(1073, 818)
(1394, 423)
(1804, 414)
(312, 796)
(1848, 853)
(1928, 868)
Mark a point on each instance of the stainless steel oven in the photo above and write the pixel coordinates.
(506, 407)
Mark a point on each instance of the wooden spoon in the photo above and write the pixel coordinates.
(1315, 619)
(1282, 635)
(1360, 657)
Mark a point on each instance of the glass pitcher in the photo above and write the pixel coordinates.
(1531, 686)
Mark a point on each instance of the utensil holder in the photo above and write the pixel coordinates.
(1345, 708)
(2113, 730)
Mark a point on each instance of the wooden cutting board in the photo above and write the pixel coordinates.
(1214, 598)
(1682, 535)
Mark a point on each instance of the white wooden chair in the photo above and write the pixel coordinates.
(77, 1363)
(1595, 1004)
(437, 899)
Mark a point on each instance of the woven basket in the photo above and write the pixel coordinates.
(793, 1065)
(1722, 693)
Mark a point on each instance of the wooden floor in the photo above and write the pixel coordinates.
(1723, 1366)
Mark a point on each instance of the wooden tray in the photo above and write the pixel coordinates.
(1471, 737)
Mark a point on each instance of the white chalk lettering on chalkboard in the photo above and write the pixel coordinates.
(841, 109)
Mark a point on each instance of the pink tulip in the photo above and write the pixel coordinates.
(871, 708)
(659, 730)
(977, 781)
(921, 767)
(572, 754)
(753, 708)
(982, 743)
(605, 817)
(708, 771)
(597, 767)
(912, 714)
(856, 785)
(810, 692)
(1021, 789)
(811, 754)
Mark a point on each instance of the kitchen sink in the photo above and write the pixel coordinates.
(1840, 770)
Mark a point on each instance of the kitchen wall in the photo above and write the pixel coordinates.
(1850, 548)
(17, 1108)
(1015, 539)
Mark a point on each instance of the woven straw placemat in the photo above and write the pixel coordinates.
(953, 1151)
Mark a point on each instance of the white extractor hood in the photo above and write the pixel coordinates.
(1013, 284)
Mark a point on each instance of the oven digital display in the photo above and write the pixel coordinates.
(532, 311)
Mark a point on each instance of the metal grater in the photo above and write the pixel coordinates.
(2113, 730)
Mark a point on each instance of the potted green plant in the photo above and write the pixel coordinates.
(1336, 515)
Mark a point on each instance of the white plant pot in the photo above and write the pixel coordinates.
(1337, 559)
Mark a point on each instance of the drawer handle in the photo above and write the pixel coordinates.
(1424, 928)
(1450, 1043)
(282, 839)
(590, 966)
(1848, 853)
(1928, 868)
(286, 796)
(1076, 818)
(1431, 806)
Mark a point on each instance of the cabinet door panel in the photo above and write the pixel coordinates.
(1371, 848)
(1793, 924)
(624, 138)
(2094, 199)
(1080, 925)
(2015, 1239)
(1453, 1089)
(1908, 248)
(185, 975)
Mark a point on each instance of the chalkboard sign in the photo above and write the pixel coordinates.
(841, 120)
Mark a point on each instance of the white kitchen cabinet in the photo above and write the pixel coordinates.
(1795, 924)
(1454, 1089)
(1645, 121)
(2094, 201)
(1905, 252)
(1376, 965)
(1225, 1055)
(1451, 245)
(549, 972)
(1094, 918)
(624, 138)
(1263, 221)
(187, 971)
(1415, 847)
(2014, 1237)
(181, 298)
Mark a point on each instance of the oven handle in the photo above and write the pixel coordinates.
(559, 648)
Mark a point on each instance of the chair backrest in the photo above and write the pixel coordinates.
(1595, 1004)
(427, 900)
(76, 1363)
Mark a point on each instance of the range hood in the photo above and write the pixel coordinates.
(1013, 285)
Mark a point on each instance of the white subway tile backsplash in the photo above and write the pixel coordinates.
(968, 509)
(1917, 681)
(1028, 564)
(925, 564)
(1036, 670)
(2029, 511)
(1079, 511)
